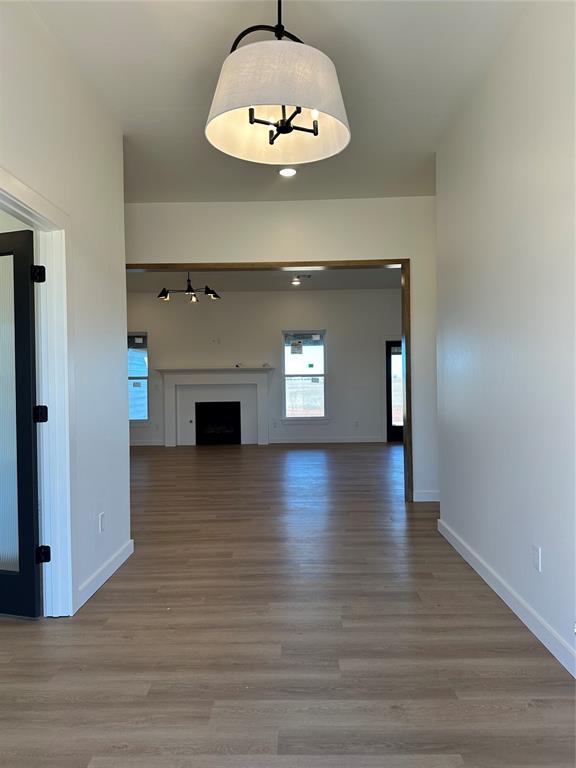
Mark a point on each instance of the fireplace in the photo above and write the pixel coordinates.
(184, 387)
(218, 423)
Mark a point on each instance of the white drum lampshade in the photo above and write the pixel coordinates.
(264, 77)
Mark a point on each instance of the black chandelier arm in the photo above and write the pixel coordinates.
(297, 111)
(253, 119)
(313, 130)
(278, 30)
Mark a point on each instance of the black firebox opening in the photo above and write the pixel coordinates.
(218, 424)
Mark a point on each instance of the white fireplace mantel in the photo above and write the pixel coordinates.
(182, 377)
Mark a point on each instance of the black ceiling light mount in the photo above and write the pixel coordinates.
(189, 291)
(279, 30)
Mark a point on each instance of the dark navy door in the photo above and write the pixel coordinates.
(20, 571)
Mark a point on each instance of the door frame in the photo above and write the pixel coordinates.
(51, 228)
(328, 264)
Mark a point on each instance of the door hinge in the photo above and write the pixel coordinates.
(43, 554)
(38, 273)
(40, 414)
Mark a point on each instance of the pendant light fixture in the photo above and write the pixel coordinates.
(278, 102)
(297, 280)
(189, 291)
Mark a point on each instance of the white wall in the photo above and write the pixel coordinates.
(247, 328)
(506, 325)
(301, 231)
(56, 140)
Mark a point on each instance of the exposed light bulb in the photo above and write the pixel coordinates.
(315, 114)
(193, 298)
(287, 172)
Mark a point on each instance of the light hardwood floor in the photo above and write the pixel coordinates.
(284, 609)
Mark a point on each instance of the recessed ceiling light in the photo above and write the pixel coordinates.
(302, 268)
(393, 266)
(287, 172)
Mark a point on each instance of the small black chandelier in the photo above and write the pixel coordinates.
(282, 126)
(189, 291)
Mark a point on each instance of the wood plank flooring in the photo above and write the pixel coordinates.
(284, 609)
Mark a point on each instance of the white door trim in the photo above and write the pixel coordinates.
(51, 226)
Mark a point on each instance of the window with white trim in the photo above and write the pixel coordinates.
(304, 375)
(138, 376)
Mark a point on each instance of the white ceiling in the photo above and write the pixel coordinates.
(266, 280)
(404, 66)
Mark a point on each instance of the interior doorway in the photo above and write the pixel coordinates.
(157, 281)
(394, 392)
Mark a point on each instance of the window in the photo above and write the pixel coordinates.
(304, 375)
(138, 376)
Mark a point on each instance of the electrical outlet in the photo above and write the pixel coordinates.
(101, 522)
(537, 558)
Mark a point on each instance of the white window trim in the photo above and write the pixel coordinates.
(147, 421)
(304, 419)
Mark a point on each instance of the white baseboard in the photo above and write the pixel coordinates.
(295, 440)
(146, 442)
(547, 635)
(93, 583)
(426, 495)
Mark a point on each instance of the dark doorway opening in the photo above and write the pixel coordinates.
(394, 392)
(218, 424)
